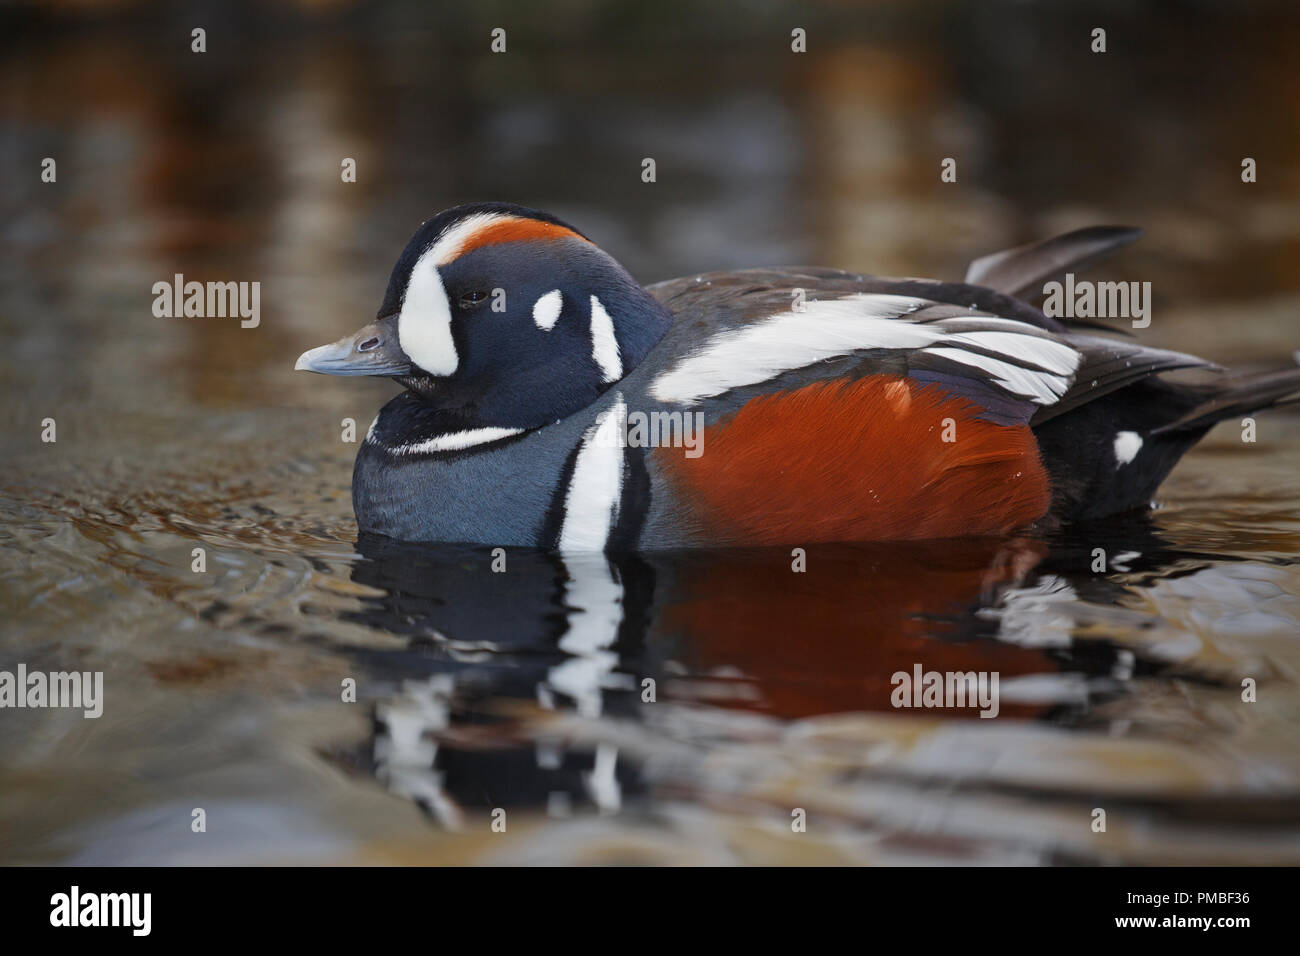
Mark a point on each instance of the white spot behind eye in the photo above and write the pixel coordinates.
(1127, 445)
(546, 310)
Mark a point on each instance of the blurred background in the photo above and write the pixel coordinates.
(175, 433)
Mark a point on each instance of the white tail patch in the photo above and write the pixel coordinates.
(592, 500)
(546, 310)
(604, 345)
(1127, 445)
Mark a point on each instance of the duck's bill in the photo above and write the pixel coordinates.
(371, 351)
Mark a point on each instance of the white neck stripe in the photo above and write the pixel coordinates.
(604, 344)
(452, 441)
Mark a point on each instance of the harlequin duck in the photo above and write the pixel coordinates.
(552, 401)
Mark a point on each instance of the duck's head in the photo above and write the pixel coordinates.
(501, 316)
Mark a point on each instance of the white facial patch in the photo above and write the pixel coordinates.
(604, 345)
(546, 310)
(424, 324)
(1127, 445)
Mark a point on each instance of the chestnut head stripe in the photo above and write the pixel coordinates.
(480, 230)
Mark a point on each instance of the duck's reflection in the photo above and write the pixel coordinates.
(609, 637)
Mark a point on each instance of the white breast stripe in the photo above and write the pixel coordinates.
(453, 441)
(592, 500)
(546, 310)
(424, 324)
(604, 345)
(825, 330)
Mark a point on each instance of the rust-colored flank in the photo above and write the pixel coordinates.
(861, 460)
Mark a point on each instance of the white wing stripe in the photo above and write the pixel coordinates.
(827, 329)
(1045, 353)
(791, 340)
(1042, 387)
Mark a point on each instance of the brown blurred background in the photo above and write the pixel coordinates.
(225, 165)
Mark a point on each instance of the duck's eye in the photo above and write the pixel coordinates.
(472, 298)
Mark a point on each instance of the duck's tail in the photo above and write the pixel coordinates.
(1110, 455)
(1238, 395)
